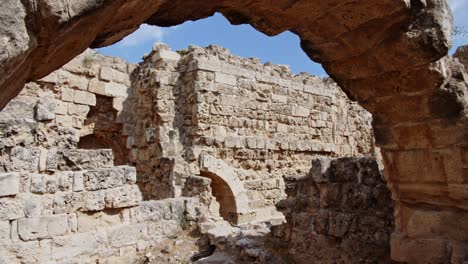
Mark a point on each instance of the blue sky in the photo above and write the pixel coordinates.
(242, 40)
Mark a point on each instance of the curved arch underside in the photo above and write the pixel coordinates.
(387, 55)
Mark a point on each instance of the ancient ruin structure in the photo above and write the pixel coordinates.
(82, 147)
(390, 56)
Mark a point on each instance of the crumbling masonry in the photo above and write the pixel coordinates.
(100, 155)
(390, 56)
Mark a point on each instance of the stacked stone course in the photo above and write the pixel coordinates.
(60, 203)
(260, 119)
(98, 155)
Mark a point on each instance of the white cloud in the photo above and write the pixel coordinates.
(145, 34)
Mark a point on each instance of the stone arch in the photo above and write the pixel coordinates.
(226, 187)
(387, 55)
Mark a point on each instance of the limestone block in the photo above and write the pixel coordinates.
(65, 121)
(104, 178)
(4, 234)
(260, 144)
(42, 227)
(96, 86)
(106, 74)
(165, 55)
(73, 222)
(251, 142)
(279, 98)
(24, 159)
(32, 204)
(126, 235)
(230, 142)
(130, 174)
(229, 100)
(90, 221)
(37, 183)
(78, 184)
(152, 211)
(300, 111)
(32, 251)
(22, 107)
(77, 81)
(117, 103)
(67, 94)
(70, 246)
(61, 107)
(50, 182)
(86, 159)
(78, 110)
(83, 97)
(125, 196)
(68, 202)
(318, 91)
(94, 201)
(9, 184)
(111, 89)
(117, 90)
(64, 181)
(45, 110)
(225, 78)
(207, 65)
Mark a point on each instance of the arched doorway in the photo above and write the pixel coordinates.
(224, 196)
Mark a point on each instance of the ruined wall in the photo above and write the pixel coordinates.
(341, 212)
(199, 123)
(258, 119)
(62, 198)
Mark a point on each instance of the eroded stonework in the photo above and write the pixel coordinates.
(388, 55)
(205, 112)
(200, 123)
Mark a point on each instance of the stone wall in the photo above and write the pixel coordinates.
(261, 120)
(62, 199)
(95, 157)
(341, 212)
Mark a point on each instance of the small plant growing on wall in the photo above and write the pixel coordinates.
(88, 61)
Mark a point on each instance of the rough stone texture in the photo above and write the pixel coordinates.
(9, 184)
(167, 147)
(340, 213)
(385, 54)
(462, 55)
(63, 200)
(70, 193)
(254, 119)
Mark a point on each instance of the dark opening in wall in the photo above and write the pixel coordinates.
(107, 131)
(224, 196)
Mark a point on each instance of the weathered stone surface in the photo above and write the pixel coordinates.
(24, 159)
(11, 208)
(342, 210)
(45, 110)
(126, 196)
(42, 227)
(462, 55)
(231, 105)
(70, 246)
(85, 159)
(9, 184)
(104, 178)
(96, 220)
